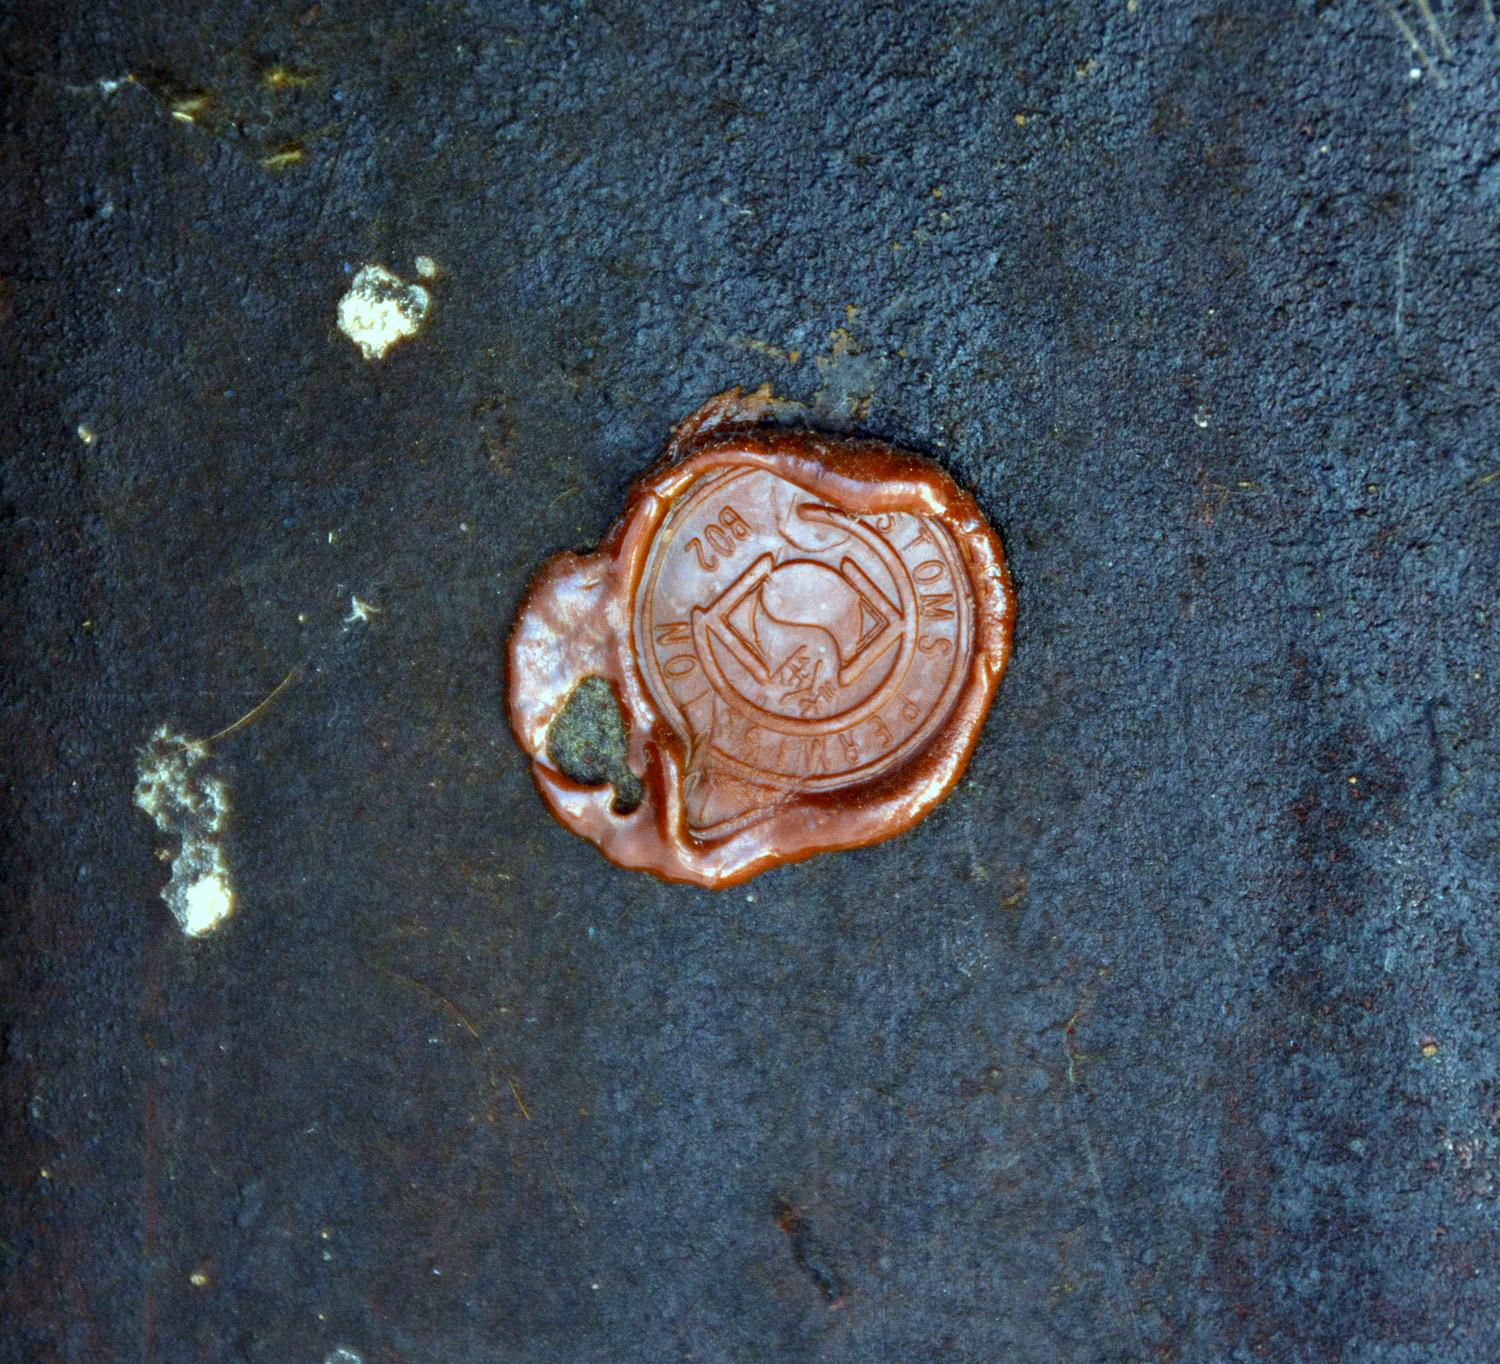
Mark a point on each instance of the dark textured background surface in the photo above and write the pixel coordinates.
(1171, 1036)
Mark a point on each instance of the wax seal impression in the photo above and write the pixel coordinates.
(787, 644)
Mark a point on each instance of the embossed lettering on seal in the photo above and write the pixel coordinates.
(802, 633)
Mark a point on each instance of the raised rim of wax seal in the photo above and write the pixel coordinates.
(788, 683)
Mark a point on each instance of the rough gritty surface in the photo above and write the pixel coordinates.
(587, 741)
(1171, 1036)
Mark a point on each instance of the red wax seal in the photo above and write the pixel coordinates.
(787, 644)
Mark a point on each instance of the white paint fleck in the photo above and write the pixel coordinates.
(87, 434)
(190, 804)
(426, 267)
(381, 309)
(360, 612)
(1201, 417)
(343, 1355)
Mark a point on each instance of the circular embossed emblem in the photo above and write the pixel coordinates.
(802, 635)
(795, 646)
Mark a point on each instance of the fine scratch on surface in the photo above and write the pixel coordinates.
(510, 1080)
(327, 195)
(1400, 288)
(1405, 30)
(1430, 19)
(1403, 247)
(437, 995)
(254, 713)
(562, 1184)
(567, 1193)
(1096, 1179)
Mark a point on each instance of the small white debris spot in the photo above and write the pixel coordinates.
(198, 1279)
(343, 1356)
(1201, 417)
(187, 110)
(208, 901)
(360, 612)
(426, 267)
(380, 309)
(87, 434)
(188, 803)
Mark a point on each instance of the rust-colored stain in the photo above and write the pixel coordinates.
(803, 632)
